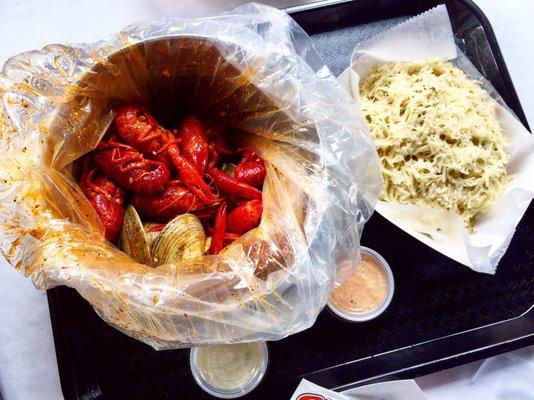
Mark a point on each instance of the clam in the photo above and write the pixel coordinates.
(133, 239)
(182, 238)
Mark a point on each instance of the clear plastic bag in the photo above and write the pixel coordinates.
(255, 69)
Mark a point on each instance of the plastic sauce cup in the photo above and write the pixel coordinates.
(356, 316)
(229, 371)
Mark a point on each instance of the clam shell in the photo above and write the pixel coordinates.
(182, 238)
(133, 239)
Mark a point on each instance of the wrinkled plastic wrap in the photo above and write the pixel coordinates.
(253, 68)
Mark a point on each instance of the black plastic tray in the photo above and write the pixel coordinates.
(442, 314)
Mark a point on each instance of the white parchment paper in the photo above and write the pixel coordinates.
(429, 36)
(395, 390)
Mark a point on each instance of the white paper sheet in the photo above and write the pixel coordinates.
(396, 390)
(429, 36)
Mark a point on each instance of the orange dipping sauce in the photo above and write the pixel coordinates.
(364, 290)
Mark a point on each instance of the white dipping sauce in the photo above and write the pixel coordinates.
(229, 366)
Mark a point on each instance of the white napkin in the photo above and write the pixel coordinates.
(396, 390)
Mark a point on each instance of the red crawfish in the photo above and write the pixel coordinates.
(140, 129)
(194, 143)
(129, 168)
(232, 186)
(251, 169)
(246, 216)
(219, 230)
(106, 198)
(229, 237)
(173, 200)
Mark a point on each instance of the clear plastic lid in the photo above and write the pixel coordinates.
(229, 371)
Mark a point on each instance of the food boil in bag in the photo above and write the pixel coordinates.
(175, 139)
(183, 182)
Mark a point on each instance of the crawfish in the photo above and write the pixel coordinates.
(106, 198)
(232, 186)
(246, 216)
(229, 237)
(194, 143)
(140, 129)
(251, 169)
(173, 200)
(219, 230)
(129, 168)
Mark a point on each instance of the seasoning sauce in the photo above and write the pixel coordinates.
(229, 366)
(364, 290)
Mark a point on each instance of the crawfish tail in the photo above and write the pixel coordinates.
(244, 217)
(251, 169)
(219, 229)
(192, 179)
(175, 199)
(229, 237)
(251, 173)
(134, 123)
(232, 186)
(107, 200)
(137, 127)
(194, 143)
(131, 170)
(110, 213)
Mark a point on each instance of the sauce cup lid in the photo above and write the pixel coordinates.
(390, 284)
(230, 393)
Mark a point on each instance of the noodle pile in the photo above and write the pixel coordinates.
(437, 136)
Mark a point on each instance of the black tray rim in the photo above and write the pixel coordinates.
(420, 359)
(430, 356)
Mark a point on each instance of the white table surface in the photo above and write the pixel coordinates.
(28, 368)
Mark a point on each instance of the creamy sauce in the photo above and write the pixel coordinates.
(229, 366)
(364, 290)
